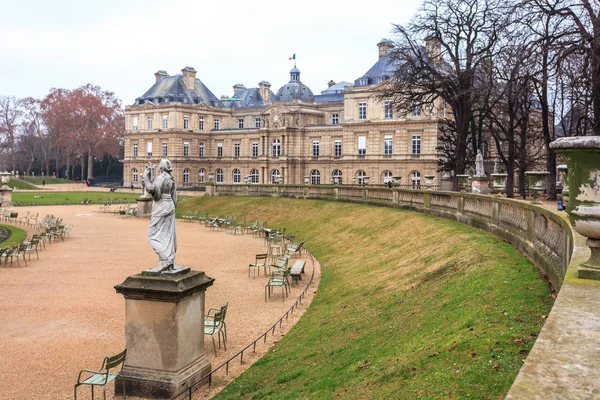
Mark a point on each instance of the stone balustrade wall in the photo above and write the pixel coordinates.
(544, 237)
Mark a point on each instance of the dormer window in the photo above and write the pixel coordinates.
(363, 81)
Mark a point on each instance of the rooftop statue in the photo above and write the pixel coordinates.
(161, 232)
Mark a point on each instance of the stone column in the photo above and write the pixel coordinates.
(582, 154)
(164, 332)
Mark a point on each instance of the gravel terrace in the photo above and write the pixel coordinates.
(61, 314)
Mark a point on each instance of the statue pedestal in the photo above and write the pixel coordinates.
(164, 325)
(480, 184)
(5, 196)
(446, 185)
(144, 206)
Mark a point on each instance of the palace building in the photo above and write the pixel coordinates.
(344, 135)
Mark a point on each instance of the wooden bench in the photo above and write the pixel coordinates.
(296, 270)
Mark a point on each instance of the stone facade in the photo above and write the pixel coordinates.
(256, 136)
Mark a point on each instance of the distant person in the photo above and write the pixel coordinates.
(89, 183)
(43, 182)
(132, 187)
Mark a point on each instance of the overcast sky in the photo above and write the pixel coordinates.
(119, 45)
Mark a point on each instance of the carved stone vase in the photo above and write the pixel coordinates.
(582, 155)
(463, 183)
(537, 184)
(499, 183)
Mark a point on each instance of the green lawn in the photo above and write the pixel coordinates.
(17, 235)
(409, 306)
(37, 180)
(46, 198)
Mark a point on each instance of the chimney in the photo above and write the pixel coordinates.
(384, 46)
(265, 90)
(238, 86)
(160, 74)
(189, 78)
(330, 83)
(433, 48)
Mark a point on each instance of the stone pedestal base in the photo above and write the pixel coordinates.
(144, 206)
(164, 325)
(5, 196)
(446, 184)
(480, 184)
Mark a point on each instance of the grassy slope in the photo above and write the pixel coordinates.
(17, 235)
(409, 305)
(72, 197)
(20, 184)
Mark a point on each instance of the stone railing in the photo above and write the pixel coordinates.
(544, 237)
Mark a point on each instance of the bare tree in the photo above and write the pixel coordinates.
(10, 114)
(460, 36)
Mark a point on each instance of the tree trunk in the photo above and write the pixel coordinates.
(510, 169)
(90, 165)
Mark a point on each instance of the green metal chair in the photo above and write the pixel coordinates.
(17, 251)
(260, 262)
(103, 375)
(214, 322)
(278, 278)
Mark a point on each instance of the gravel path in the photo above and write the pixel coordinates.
(61, 314)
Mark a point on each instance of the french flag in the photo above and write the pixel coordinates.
(293, 57)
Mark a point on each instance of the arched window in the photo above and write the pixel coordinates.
(315, 177)
(415, 177)
(254, 176)
(201, 175)
(275, 176)
(134, 175)
(237, 176)
(336, 177)
(186, 176)
(219, 175)
(387, 177)
(361, 177)
(276, 148)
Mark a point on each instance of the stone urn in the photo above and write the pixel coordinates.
(582, 154)
(463, 183)
(429, 181)
(499, 183)
(537, 184)
(5, 176)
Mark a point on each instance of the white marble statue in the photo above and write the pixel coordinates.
(479, 171)
(161, 232)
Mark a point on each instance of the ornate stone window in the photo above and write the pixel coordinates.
(254, 149)
(337, 148)
(219, 175)
(165, 147)
(165, 120)
(201, 123)
(186, 149)
(336, 177)
(240, 123)
(201, 175)
(257, 122)
(237, 176)
(415, 178)
(387, 177)
(387, 145)
(387, 109)
(186, 122)
(135, 149)
(186, 176)
(254, 176)
(362, 110)
(201, 150)
(315, 177)
(416, 145)
(149, 123)
(361, 177)
(362, 145)
(275, 175)
(134, 175)
(236, 149)
(135, 123)
(276, 147)
(335, 119)
(217, 123)
(219, 149)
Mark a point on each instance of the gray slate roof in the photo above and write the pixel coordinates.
(248, 98)
(337, 88)
(323, 98)
(172, 88)
(381, 71)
